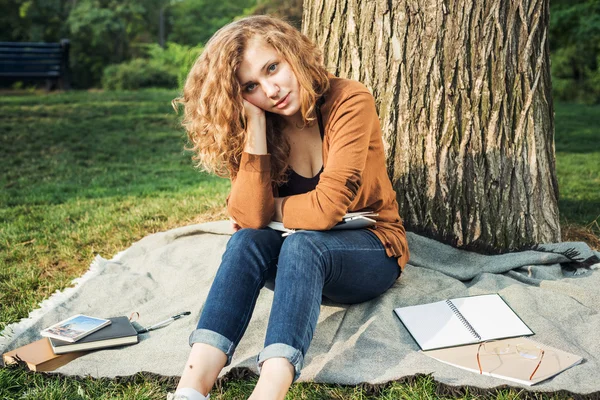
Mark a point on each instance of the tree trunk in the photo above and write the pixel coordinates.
(464, 97)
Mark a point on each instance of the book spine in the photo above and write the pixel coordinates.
(463, 320)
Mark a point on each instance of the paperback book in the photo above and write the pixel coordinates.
(39, 356)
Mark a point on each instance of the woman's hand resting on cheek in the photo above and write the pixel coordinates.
(252, 112)
(256, 129)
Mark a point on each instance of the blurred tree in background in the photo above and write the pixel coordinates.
(107, 32)
(112, 32)
(289, 10)
(33, 20)
(194, 21)
(102, 32)
(162, 67)
(575, 49)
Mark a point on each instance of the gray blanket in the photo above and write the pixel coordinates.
(170, 272)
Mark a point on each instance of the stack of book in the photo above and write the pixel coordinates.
(71, 338)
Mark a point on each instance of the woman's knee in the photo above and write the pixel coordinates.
(251, 250)
(365, 286)
(303, 243)
(249, 238)
(303, 251)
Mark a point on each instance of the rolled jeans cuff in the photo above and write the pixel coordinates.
(214, 339)
(282, 350)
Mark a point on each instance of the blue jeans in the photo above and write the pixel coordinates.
(346, 266)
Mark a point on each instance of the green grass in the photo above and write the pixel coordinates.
(90, 173)
(578, 164)
(16, 382)
(85, 174)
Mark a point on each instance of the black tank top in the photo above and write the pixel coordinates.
(298, 184)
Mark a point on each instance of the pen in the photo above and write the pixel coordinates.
(165, 322)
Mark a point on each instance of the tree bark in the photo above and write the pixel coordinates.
(464, 98)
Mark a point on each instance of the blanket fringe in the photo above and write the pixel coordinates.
(569, 253)
(576, 259)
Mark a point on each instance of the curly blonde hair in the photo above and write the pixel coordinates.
(212, 97)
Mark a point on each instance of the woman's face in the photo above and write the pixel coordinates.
(267, 80)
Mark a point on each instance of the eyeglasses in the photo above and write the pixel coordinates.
(499, 348)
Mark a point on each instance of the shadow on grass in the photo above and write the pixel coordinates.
(582, 141)
(581, 212)
(577, 128)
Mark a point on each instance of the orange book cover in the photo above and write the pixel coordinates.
(39, 356)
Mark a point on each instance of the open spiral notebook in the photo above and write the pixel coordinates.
(460, 321)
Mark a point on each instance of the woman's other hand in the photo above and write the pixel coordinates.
(256, 129)
(234, 225)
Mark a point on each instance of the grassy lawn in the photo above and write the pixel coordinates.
(90, 173)
(85, 174)
(578, 165)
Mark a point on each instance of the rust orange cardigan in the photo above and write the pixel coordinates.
(354, 176)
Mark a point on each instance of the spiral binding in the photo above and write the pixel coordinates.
(463, 320)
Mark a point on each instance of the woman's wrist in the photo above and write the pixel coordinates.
(256, 135)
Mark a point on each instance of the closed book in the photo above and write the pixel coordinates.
(120, 332)
(39, 356)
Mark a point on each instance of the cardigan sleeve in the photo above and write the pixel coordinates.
(250, 202)
(352, 122)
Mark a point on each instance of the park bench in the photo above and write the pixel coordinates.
(35, 61)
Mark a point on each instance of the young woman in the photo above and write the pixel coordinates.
(303, 147)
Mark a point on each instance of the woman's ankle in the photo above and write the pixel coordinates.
(276, 377)
(202, 368)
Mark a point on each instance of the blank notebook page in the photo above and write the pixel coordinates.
(491, 317)
(434, 325)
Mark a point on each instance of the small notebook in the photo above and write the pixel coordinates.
(511, 364)
(354, 220)
(460, 321)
